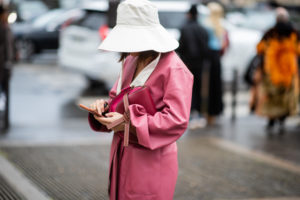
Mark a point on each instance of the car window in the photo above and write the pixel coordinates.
(92, 20)
(46, 18)
(67, 16)
(31, 9)
(171, 19)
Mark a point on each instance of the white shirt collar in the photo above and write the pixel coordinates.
(142, 77)
(145, 73)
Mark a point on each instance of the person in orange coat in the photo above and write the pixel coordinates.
(277, 81)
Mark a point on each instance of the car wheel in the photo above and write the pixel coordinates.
(25, 49)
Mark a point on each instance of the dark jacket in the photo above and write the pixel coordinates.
(6, 51)
(193, 42)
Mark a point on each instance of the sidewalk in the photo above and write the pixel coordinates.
(208, 170)
(56, 156)
(7, 192)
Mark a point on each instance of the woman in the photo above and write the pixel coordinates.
(277, 81)
(217, 43)
(147, 168)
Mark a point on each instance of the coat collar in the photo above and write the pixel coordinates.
(128, 70)
(143, 76)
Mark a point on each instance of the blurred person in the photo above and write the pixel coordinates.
(217, 43)
(192, 50)
(276, 92)
(147, 168)
(6, 58)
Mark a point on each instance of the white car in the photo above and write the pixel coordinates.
(79, 42)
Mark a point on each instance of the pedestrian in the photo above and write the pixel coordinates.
(147, 168)
(277, 81)
(6, 58)
(193, 49)
(217, 43)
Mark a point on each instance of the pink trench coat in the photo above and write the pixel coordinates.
(148, 170)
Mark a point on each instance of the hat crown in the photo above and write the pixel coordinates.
(137, 13)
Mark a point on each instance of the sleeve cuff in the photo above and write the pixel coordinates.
(95, 125)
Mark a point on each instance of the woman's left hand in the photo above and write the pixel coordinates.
(111, 117)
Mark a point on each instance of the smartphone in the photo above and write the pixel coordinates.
(94, 112)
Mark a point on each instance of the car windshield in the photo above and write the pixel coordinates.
(46, 18)
(31, 9)
(93, 20)
(171, 19)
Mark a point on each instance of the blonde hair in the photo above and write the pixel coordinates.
(215, 17)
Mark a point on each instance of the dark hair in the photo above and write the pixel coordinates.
(142, 56)
(123, 56)
(283, 29)
(193, 11)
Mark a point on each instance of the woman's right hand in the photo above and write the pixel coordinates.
(99, 106)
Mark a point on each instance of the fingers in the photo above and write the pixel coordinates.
(93, 106)
(111, 114)
(103, 120)
(98, 106)
(110, 117)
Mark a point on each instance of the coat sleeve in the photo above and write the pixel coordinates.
(261, 47)
(167, 125)
(94, 124)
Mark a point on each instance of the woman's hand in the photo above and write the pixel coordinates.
(109, 118)
(98, 106)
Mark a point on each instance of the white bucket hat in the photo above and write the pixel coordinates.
(138, 29)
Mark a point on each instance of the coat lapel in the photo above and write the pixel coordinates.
(160, 66)
(128, 73)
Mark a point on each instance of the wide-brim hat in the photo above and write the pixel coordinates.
(138, 29)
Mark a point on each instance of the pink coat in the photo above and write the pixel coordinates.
(149, 170)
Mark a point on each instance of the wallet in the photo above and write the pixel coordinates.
(132, 95)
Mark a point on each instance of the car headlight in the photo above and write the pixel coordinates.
(12, 17)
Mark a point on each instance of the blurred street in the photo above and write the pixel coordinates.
(51, 153)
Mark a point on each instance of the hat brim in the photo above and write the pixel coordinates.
(125, 38)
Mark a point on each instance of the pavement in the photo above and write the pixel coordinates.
(50, 152)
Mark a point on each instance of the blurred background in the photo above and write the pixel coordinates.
(47, 150)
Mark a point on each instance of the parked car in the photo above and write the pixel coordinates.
(28, 10)
(79, 42)
(43, 32)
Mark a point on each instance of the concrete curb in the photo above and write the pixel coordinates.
(257, 155)
(19, 182)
